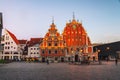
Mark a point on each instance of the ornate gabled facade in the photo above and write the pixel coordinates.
(53, 46)
(76, 38)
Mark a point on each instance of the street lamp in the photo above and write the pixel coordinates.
(99, 56)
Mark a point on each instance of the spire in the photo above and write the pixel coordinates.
(52, 20)
(73, 16)
(81, 21)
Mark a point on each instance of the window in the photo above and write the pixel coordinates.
(8, 47)
(56, 58)
(49, 44)
(55, 51)
(34, 48)
(14, 48)
(31, 48)
(55, 44)
(6, 52)
(15, 52)
(43, 52)
(31, 52)
(34, 52)
(62, 51)
(37, 48)
(8, 43)
(5, 47)
(11, 46)
(49, 51)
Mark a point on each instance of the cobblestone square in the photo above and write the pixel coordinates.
(59, 71)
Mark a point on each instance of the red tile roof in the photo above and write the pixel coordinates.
(34, 41)
(22, 41)
(13, 37)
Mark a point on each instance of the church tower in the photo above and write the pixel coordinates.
(1, 26)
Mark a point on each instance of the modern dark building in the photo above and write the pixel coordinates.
(108, 51)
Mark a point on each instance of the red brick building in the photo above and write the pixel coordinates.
(76, 39)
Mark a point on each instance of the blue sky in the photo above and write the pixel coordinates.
(32, 18)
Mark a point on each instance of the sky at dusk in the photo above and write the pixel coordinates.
(32, 18)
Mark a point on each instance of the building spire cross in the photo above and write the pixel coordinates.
(73, 16)
(52, 19)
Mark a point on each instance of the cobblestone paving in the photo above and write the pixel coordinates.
(59, 71)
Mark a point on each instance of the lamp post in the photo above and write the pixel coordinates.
(108, 48)
(99, 56)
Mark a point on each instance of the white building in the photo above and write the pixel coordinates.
(33, 48)
(11, 50)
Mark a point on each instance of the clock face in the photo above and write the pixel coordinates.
(74, 27)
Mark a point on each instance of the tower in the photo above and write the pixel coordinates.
(1, 26)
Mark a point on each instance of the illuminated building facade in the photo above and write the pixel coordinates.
(76, 39)
(52, 47)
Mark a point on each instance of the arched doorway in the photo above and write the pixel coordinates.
(76, 58)
(62, 59)
(43, 59)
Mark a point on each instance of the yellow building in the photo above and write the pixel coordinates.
(52, 47)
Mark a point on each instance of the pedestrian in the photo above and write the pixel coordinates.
(116, 61)
(47, 61)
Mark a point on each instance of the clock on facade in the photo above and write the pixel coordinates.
(74, 26)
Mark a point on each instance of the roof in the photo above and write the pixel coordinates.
(13, 37)
(22, 41)
(34, 41)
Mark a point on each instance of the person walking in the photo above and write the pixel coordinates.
(47, 61)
